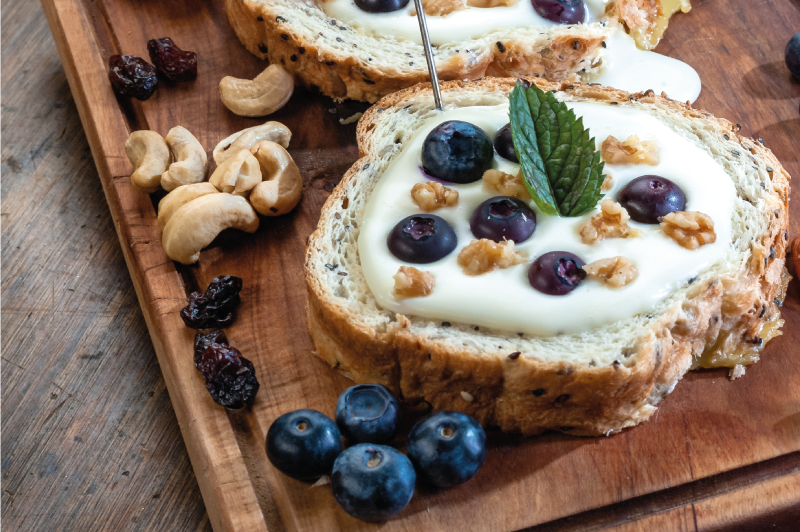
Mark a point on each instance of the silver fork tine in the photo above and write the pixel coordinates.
(426, 43)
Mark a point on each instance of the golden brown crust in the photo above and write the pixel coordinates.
(522, 393)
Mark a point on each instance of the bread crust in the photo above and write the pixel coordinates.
(278, 31)
(524, 393)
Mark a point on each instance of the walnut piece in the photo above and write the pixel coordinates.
(608, 184)
(410, 282)
(484, 255)
(614, 271)
(490, 3)
(432, 195)
(440, 7)
(612, 222)
(689, 229)
(506, 184)
(632, 151)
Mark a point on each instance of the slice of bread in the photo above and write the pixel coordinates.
(342, 62)
(595, 382)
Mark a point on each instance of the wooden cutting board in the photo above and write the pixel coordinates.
(717, 453)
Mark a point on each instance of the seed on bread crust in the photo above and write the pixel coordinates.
(410, 282)
(614, 271)
(690, 229)
(612, 222)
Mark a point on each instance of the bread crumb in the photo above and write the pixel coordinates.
(614, 271)
(467, 397)
(612, 222)
(484, 255)
(736, 372)
(690, 229)
(632, 151)
(350, 119)
(410, 282)
(506, 184)
(432, 195)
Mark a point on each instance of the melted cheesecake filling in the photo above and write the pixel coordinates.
(624, 65)
(504, 299)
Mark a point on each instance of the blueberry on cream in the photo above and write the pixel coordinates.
(421, 239)
(650, 197)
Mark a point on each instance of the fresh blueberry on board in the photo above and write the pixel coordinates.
(556, 273)
(381, 6)
(372, 482)
(649, 197)
(457, 151)
(368, 413)
(422, 239)
(503, 218)
(792, 55)
(303, 444)
(561, 11)
(447, 448)
(504, 144)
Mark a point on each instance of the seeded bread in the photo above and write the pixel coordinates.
(343, 63)
(595, 382)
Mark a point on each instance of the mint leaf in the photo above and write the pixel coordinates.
(560, 166)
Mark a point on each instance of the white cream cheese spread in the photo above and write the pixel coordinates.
(504, 299)
(624, 65)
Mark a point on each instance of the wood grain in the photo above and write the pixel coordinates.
(708, 427)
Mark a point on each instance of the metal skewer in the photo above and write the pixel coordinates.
(426, 43)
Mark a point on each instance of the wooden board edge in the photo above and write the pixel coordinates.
(229, 496)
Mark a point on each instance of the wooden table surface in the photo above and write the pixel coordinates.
(89, 437)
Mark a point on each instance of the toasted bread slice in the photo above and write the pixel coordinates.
(343, 62)
(556, 383)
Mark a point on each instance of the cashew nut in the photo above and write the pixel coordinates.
(190, 159)
(238, 174)
(149, 154)
(180, 197)
(282, 186)
(247, 138)
(264, 95)
(197, 224)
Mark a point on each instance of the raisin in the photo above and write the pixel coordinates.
(172, 62)
(132, 76)
(230, 378)
(215, 307)
(204, 339)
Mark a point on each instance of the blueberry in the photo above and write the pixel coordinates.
(421, 239)
(561, 11)
(792, 55)
(504, 144)
(372, 482)
(368, 413)
(447, 448)
(556, 273)
(649, 197)
(303, 444)
(457, 151)
(501, 218)
(381, 6)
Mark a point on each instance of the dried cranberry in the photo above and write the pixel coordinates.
(132, 76)
(204, 339)
(214, 308)
(230, 378)
(172, 62)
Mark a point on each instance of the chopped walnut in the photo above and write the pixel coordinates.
(490, 3)
(632, 151)
(689, 229)
(614, 271)
(608, 184)
(440, 7)
(410, 282)
(612, 222)
(485, 255)
(506, 184)
(432, 195)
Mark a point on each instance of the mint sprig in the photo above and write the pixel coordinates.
(561, 168)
